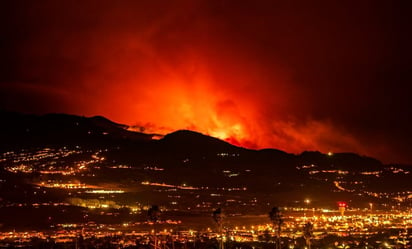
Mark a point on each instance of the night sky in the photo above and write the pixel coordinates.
(293, 75)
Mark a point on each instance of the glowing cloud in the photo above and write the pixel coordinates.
(273, 74)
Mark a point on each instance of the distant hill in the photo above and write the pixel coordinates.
(190, 141)
(342, 161)
(25, 130)
(63, 129)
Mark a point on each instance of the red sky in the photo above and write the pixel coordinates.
(292, 75)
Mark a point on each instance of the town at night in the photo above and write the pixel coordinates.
(197, 124)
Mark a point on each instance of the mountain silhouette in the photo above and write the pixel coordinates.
(200, 160)
(25, 130)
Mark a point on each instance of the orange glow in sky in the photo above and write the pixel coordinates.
(272, 74)
(234, 114)
(198, 106)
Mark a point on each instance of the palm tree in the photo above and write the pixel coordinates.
(153, 215)
(277, 221)
(218, 218)
(308, 233)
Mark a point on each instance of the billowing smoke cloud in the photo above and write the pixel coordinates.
(281, 75)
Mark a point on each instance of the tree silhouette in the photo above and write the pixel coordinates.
(308, 233)
(153, 214)
(218, 218)
(277, 221)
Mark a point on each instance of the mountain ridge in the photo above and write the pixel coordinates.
(188, 159)
(29, 129)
